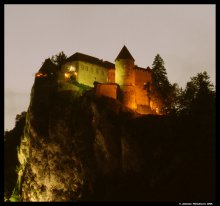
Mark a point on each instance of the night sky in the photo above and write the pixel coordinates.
(184, 36)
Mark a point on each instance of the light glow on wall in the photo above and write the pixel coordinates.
(67, 75)
(72, 69)
(39, 74)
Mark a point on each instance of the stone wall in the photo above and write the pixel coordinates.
(87, 73)
(111, 75)
(128, 96)
(124, 72)
(107, 89)
(141, 96)
(142, 77)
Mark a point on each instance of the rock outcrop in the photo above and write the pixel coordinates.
(79, 147)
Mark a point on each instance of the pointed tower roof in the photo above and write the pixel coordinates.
(124, 54)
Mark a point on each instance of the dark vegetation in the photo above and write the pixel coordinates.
(161, 88)
(59, 59)
(176, 158)
(11, 144)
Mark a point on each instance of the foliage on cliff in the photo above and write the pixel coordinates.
(199, 97)
(162, 88)
(11, 144)
(59, 59)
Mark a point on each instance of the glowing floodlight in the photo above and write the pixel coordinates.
(67, 75)
(72, 69)
(38, 74)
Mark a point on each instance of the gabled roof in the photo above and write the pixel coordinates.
(109, 65)
(124, 54)
(83, 57)
(86, 58)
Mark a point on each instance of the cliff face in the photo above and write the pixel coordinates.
(77, 147)
(72, 146)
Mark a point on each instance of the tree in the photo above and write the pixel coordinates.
(163, 89)
(159, 73)
(59, 59)
(198, 96)
(171, 101)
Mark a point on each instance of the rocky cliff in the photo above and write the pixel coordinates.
(78, 147)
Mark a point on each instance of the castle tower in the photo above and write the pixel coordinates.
(125, 77)
(124, 68)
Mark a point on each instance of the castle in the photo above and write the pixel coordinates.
(134, 82)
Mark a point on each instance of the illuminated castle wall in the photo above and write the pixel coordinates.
(131, 79)
(86, 69)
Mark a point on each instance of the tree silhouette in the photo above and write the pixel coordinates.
(199, 96)
(159, 72)
(59, 59)
(163, 89)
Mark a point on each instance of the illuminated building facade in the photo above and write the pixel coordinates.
(131, 79)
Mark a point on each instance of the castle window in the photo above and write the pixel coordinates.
(97, 70)
(91, 70)
(103, 72)
(86, 68)
(82, 67)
